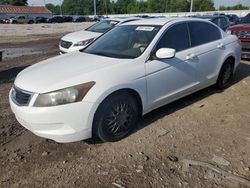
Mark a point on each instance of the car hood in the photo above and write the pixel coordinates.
(240, 27)
(64, 71)
(80, 36)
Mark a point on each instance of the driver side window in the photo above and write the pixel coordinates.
(176, 37)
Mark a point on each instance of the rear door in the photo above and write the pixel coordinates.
(169, 79)
(207, 45)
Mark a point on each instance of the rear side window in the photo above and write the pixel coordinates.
(216, 21)
(202, 33)
(224, 22)
(176, 37)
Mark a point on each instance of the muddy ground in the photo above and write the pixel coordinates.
(209, 126)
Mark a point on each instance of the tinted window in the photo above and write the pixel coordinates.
(202, 33)
(224, 22)
(216, 21)
(176, 37)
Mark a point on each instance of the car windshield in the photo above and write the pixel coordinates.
(128, 41)
(103, 26)
(246, 19)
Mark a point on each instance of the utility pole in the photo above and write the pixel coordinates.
(44, 3)
(191, 6)
(61, 7)
(94, 7)
(106, 9)
(166, 5)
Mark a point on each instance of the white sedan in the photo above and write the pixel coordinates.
(80, 39)
(133, 69)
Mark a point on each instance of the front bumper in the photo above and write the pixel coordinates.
(70, 49)
(64, 123)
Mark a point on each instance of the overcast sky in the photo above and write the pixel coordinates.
(217, 2)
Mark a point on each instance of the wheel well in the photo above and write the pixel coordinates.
(231, 60)
(134, 94)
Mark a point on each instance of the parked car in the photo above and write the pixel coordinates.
(80, 19)
(41, 20)
(83, 19)
(233, 18)
(89, 19)
(131, 70)
(80, 39)
(22, 20)
(246, 19)
(67, 19)
(242, 31)
(55, 19)
(221, 20)
(98, 18)
(219, 14)
(2, 21)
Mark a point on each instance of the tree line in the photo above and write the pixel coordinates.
(85, 7)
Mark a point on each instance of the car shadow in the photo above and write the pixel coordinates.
(7, 76)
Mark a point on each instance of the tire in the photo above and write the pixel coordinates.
(226, 75)
(115, 118)
(31, 22)
(14, 22)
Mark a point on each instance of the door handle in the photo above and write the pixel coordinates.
(220, 45)
(190, 56)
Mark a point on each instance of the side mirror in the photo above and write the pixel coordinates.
(165, 53)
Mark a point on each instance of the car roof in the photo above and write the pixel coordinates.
(122, 19)
(161, 21)
(209, 17)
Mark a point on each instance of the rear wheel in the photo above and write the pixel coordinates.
(226, 75)
(116, 117)
(31, 22)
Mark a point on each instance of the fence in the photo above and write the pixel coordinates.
(240, 13)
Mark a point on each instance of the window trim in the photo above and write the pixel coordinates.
(165, 31)
(221, 36)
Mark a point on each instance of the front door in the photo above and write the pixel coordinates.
(169, 79)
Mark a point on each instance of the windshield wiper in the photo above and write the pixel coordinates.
(120, 56)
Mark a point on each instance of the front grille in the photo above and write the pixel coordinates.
(21, 97)
(241, 34)
(65, 44)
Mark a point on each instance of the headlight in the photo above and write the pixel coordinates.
(229, 32)
(63, 96)
(85, 42)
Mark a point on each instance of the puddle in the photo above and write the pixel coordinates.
(10, 53)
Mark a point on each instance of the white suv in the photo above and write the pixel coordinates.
(80, 39)
(129, 71)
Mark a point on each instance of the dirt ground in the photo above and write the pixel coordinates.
(208, 126)
(33, 32)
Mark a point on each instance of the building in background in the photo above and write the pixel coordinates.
(8, 11)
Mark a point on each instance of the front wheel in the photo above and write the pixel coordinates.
(225, 76)
(116, 117)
